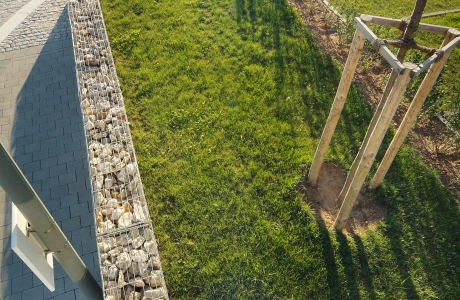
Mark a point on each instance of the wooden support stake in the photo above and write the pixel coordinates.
(336, 109)
(412, 113)
(375, 141)
(370, 129)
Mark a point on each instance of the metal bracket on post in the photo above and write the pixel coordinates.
(51, 252)
(35, 234)
(29, 229)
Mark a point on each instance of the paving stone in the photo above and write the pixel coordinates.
(57, 132)
(32, 147)
(66, 296)
(5, 287)
(36, 280)
(68, 177)
(6, 220)
(61, 214)
(41, 174)
(24, 140)
(47, 126)
(58, 170)
(51, 204)
(12, 271)
(47, 110)
(88, 259)
(57, 115)
(77, 187)
(79, 209)
(49, 143)
(69, 200)
(49, 183)
(58, 289)
(7, 257)
(37, 186)
(75, 165)
(73, 146)
(16, 296)
(21, 283)
(62, 123)
(89, 246)
(32, 114)
(40, 136)
(65, 158)
(35, 293)
(59, 191)
(40, 154)
(10, 7)
(57, 149)
(30, 167)
(87, 219)
(80, 235)
(71, 224)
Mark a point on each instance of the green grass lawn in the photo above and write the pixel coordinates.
(446, 93)
(227, 100)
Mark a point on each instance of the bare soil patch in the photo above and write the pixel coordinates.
(322, 199)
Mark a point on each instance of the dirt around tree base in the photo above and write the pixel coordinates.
(322, 199)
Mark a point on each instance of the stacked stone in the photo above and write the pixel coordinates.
(130, 265)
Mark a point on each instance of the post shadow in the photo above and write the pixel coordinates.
(401, 261)
(365, 272)
(332, 275)
(348, 266)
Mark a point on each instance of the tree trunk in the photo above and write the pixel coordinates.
(412, 27)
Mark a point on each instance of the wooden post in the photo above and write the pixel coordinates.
(412, 113)
(408, 35)
(340, 97)
(375, 141)
(370, 129)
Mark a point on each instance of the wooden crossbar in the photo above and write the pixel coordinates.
(397, 24)
(427, 63)
(383, 49)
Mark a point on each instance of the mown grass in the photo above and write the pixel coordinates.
(446, 94)
(227, 100)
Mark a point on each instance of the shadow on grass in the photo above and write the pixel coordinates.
(402, 262)
(364, 270)
(353, 272)
(424, 233)
(307, 262)
(333, 280)
(297, 61)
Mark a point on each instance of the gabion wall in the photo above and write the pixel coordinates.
(130, 265)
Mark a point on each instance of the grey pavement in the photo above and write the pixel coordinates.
(41, 123)
(48, 23)
(9, 7)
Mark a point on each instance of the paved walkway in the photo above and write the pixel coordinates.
(41, 123)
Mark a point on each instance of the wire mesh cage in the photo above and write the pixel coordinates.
(130, 265)
(117, 189)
